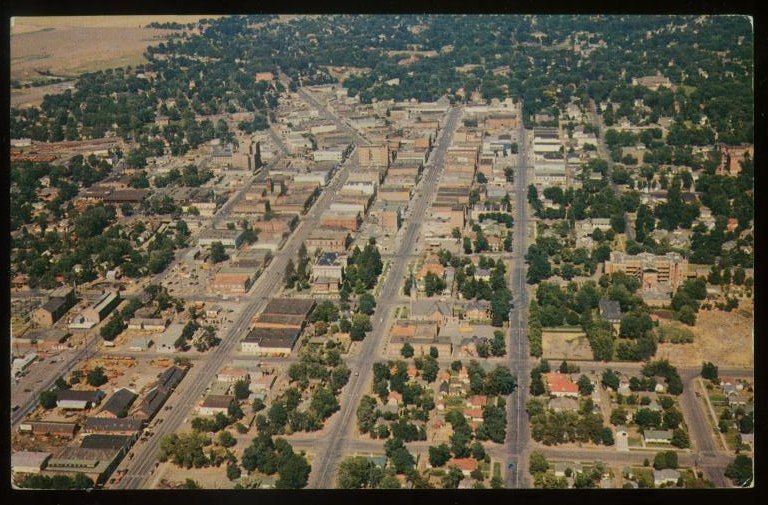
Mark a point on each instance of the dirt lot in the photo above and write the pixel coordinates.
(565, 345)
(70, 45)
(725, 338)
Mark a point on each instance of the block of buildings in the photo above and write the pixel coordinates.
(373, 155)
(346, 220)
(328, 239)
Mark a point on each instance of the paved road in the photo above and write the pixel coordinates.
(277, 140)
(65, 362)
(223, 212)
(517, 347)
(142, 464)
(330, 450)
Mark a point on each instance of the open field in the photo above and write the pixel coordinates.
(725, 338)
(75, 44)
(36, 23)
(29, 97)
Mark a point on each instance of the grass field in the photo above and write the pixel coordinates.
(725, 338)
(71, 45)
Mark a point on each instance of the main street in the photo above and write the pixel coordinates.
(517, 346)
(140, 466)
(329, 451)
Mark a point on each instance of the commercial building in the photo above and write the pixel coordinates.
(165, 341)
(166, 382)
(270, 341)
(118, 404)
(227, 238)
(114, 426)
(59, 302)
(346, 220)
(331, 154)
(49, 428)
(147, 324)
(96, 312)
(29, 461)
(327, 239)
(233, 280)
(388, 215)
(215, 404)
(95, 464)
(71, 399)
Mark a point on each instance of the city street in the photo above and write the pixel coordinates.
(517, 346)
(333, 447)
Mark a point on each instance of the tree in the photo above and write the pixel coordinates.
(366, 303)
(665, 459)
(680, 439)
(709, 371)
(585, 385)
(537, 463)
(294, 472)
(33, 481)
(185, 449)
(241, 390)
(452, 478)
(233, 471)
(361, 323)
(96, 377)
(433, 284)
(48, 399)
(260, 455)
(687, 315)
(257, 156)
(226, 439)
(258, 405)
(112, 328)
(402, 460)
(610, 379)
(218, 253)
(439, 455)
(407, 350)
(325, 311)
(740, 470)
(357, 472)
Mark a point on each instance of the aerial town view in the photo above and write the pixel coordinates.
(381, 252)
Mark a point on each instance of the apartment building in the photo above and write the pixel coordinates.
(656, 272)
